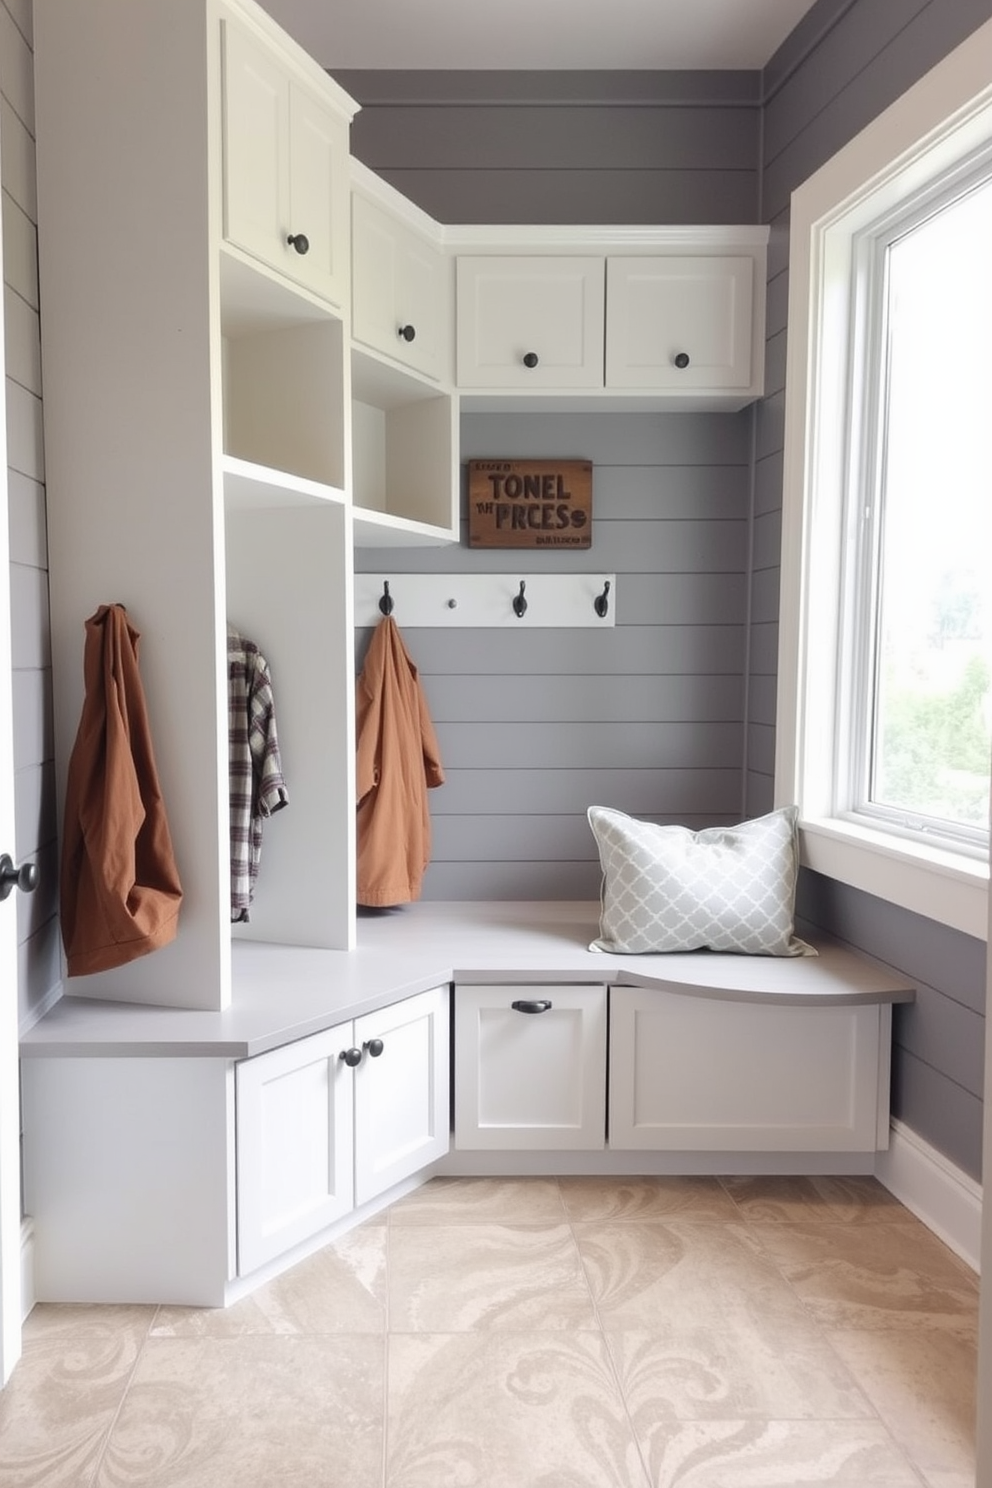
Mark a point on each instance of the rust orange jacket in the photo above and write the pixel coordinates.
(119, 890)
(398, 761)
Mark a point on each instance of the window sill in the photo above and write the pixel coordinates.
(943, 886)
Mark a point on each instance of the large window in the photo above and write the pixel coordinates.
(885, 709)
(919, 513)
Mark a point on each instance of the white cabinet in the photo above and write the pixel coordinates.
(405, 474)
(285, 167)
(530, 323)
(679, 323)
(400, 290)
(197, 440)
(692, 1074)
(331, 1122)
(530, 1067)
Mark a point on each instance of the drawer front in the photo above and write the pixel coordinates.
(530, 1067)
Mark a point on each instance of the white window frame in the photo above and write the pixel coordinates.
(945, 118)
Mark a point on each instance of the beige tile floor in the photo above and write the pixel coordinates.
(536, 1333)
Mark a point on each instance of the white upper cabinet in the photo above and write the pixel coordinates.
(530, 323)
(399, 290)
(679, 323)
(658, 318)
(285, 168)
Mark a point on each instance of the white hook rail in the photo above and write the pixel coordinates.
(484, 600)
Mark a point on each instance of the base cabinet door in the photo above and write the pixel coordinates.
(295, 1144)
(530, 1067)
(402, 1091)
(334, 1120)
(691, 1074)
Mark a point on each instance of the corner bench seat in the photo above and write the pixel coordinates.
(283, 993)
(188, 1156)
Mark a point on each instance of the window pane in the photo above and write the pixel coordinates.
(932, 709)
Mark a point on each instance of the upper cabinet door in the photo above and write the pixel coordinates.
(399, 291)
(285, 169)
(680, 324)
(530, 323)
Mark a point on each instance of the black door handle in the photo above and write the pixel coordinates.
(524, 1006)
(24, 878)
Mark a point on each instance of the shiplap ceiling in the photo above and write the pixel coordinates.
(539, 34)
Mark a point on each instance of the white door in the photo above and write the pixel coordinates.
(10, 1182)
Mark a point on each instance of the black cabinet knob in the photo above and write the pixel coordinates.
(408, 332)
(300, 242)
(526, 1006)
(682, 360)
(375, 1047)
(531, 359)
(351, 1057)
(24, 878)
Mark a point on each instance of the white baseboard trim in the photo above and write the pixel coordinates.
(931, 1187)
(27, 1267)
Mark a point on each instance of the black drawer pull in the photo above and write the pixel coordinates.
(530, 1007)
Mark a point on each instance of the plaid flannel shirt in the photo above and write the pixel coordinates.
(257, 785)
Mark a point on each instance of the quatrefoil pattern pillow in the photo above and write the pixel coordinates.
(721, 889)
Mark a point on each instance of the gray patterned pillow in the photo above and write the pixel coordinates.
(724, 888)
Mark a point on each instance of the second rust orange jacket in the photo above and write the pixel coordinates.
(398, 761)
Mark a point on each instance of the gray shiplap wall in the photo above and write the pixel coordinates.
(647, 717)
(845, 63)
(34, 784)
(508, 147)
(641, 147)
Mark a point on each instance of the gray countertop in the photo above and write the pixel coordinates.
(283, 993)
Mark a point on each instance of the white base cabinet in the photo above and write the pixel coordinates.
(331, 1122)
(691, 1073)
(686, 1073)
(530, 1067)
(167, 1179)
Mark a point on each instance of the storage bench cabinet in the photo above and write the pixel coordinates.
(185, 1156)
(684, 1072)
(172, 1179)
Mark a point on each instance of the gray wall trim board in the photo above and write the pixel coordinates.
(616, 88)
(633, 197)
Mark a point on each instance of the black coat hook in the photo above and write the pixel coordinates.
(601, 603)
(386, 602)
(519, 603)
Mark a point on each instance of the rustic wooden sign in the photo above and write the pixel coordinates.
(530, 504)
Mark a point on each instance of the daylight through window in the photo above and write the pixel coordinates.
(921, 632)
